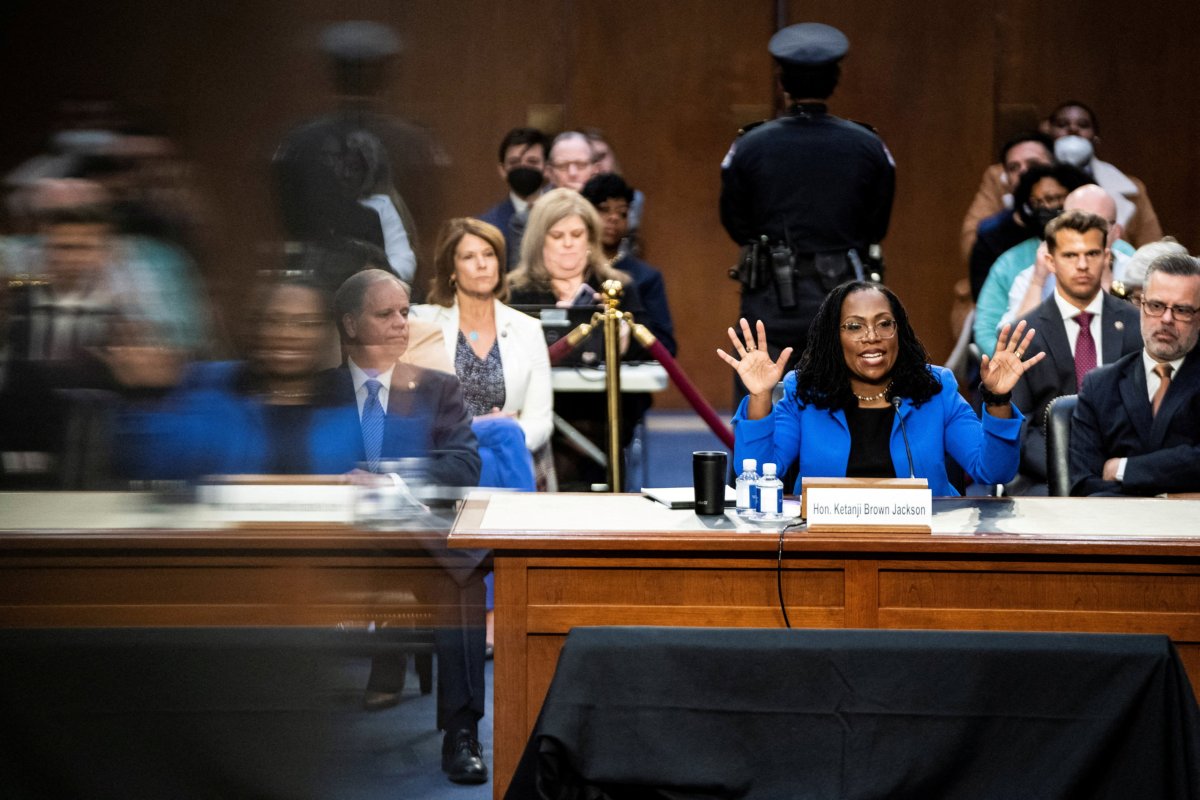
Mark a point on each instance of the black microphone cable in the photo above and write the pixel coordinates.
(779, 578)
(779, 573)
(904, 433)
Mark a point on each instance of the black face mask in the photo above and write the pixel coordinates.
(524, 180)
(1036, 219)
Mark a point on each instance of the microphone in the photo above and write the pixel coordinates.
(904, 433)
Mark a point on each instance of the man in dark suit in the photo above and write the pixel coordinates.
(1136, 429)
(1078, 327)
(522, 167)
(407, 411)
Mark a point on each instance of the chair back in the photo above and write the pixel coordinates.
(1058, 444)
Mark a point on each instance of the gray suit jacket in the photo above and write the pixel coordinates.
(1120, 334)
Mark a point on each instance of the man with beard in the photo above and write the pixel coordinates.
(1136, 429)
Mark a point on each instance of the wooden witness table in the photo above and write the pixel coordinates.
(97, 559)
(1019, 564)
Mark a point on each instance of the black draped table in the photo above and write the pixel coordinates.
(748, 713)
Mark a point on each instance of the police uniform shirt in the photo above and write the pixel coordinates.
(813, 180)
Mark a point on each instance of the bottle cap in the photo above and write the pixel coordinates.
(768, 469)
(748, 464)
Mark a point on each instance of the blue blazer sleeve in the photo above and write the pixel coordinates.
(773, 439)
(989, 450)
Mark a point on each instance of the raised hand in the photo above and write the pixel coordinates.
(753, 363)
(1000, 373)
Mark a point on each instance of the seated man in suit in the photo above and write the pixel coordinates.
(1136, 429)
(1079, 327)
(406, 411)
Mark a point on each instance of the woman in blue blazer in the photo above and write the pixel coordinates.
(863, 381)
(273, 413)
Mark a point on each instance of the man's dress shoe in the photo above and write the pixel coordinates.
(462, 758)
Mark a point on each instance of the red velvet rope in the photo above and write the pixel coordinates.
(560, 349)
(689, 391)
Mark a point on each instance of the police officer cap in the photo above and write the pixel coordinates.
(359, 40)
(809, 44)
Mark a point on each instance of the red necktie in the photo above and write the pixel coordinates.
(1163, 371)
(1085, 348)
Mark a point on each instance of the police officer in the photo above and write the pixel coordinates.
(807, 195)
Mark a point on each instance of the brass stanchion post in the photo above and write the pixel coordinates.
(612, 291)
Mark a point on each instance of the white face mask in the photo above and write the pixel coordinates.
(1074, 150)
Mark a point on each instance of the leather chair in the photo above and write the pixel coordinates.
(1058, 444)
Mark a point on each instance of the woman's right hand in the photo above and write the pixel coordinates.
(754, 366)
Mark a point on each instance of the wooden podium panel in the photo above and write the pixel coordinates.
(1019, 564)
(122, 559)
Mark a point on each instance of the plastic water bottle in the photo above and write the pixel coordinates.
(747, 487)
(770, 494)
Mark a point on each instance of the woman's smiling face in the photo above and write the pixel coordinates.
(868, 334)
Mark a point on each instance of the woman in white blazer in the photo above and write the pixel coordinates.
(467, 297)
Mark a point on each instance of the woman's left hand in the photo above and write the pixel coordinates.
(1000, 373)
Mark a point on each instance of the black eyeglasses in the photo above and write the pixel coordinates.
(859, 331)
(1154, 308)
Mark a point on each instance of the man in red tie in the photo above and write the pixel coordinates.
(1078, 327)
(1136, 429)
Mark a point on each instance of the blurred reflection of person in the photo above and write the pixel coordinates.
(408, 411)
(315, 167)
(268, 414)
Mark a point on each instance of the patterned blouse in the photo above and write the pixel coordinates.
(482, 379)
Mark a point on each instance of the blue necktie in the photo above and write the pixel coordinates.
(372, 425)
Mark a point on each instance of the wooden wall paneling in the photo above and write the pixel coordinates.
(1134, 68)
(472, 71)
(670, 83)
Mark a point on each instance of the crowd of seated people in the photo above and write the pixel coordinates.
(105, 321)
(1050, 236)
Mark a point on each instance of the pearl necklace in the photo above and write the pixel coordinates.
(872, 398)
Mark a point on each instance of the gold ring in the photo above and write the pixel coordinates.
(1020, 354)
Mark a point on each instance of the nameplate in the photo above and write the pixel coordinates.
(312, 500)
(857, 509)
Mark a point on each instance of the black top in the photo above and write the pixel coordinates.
(818, 182)
(288, 435)
(870, 437)
(996, 234)
(631, 301)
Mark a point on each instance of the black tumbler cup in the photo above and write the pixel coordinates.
(708, 480)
